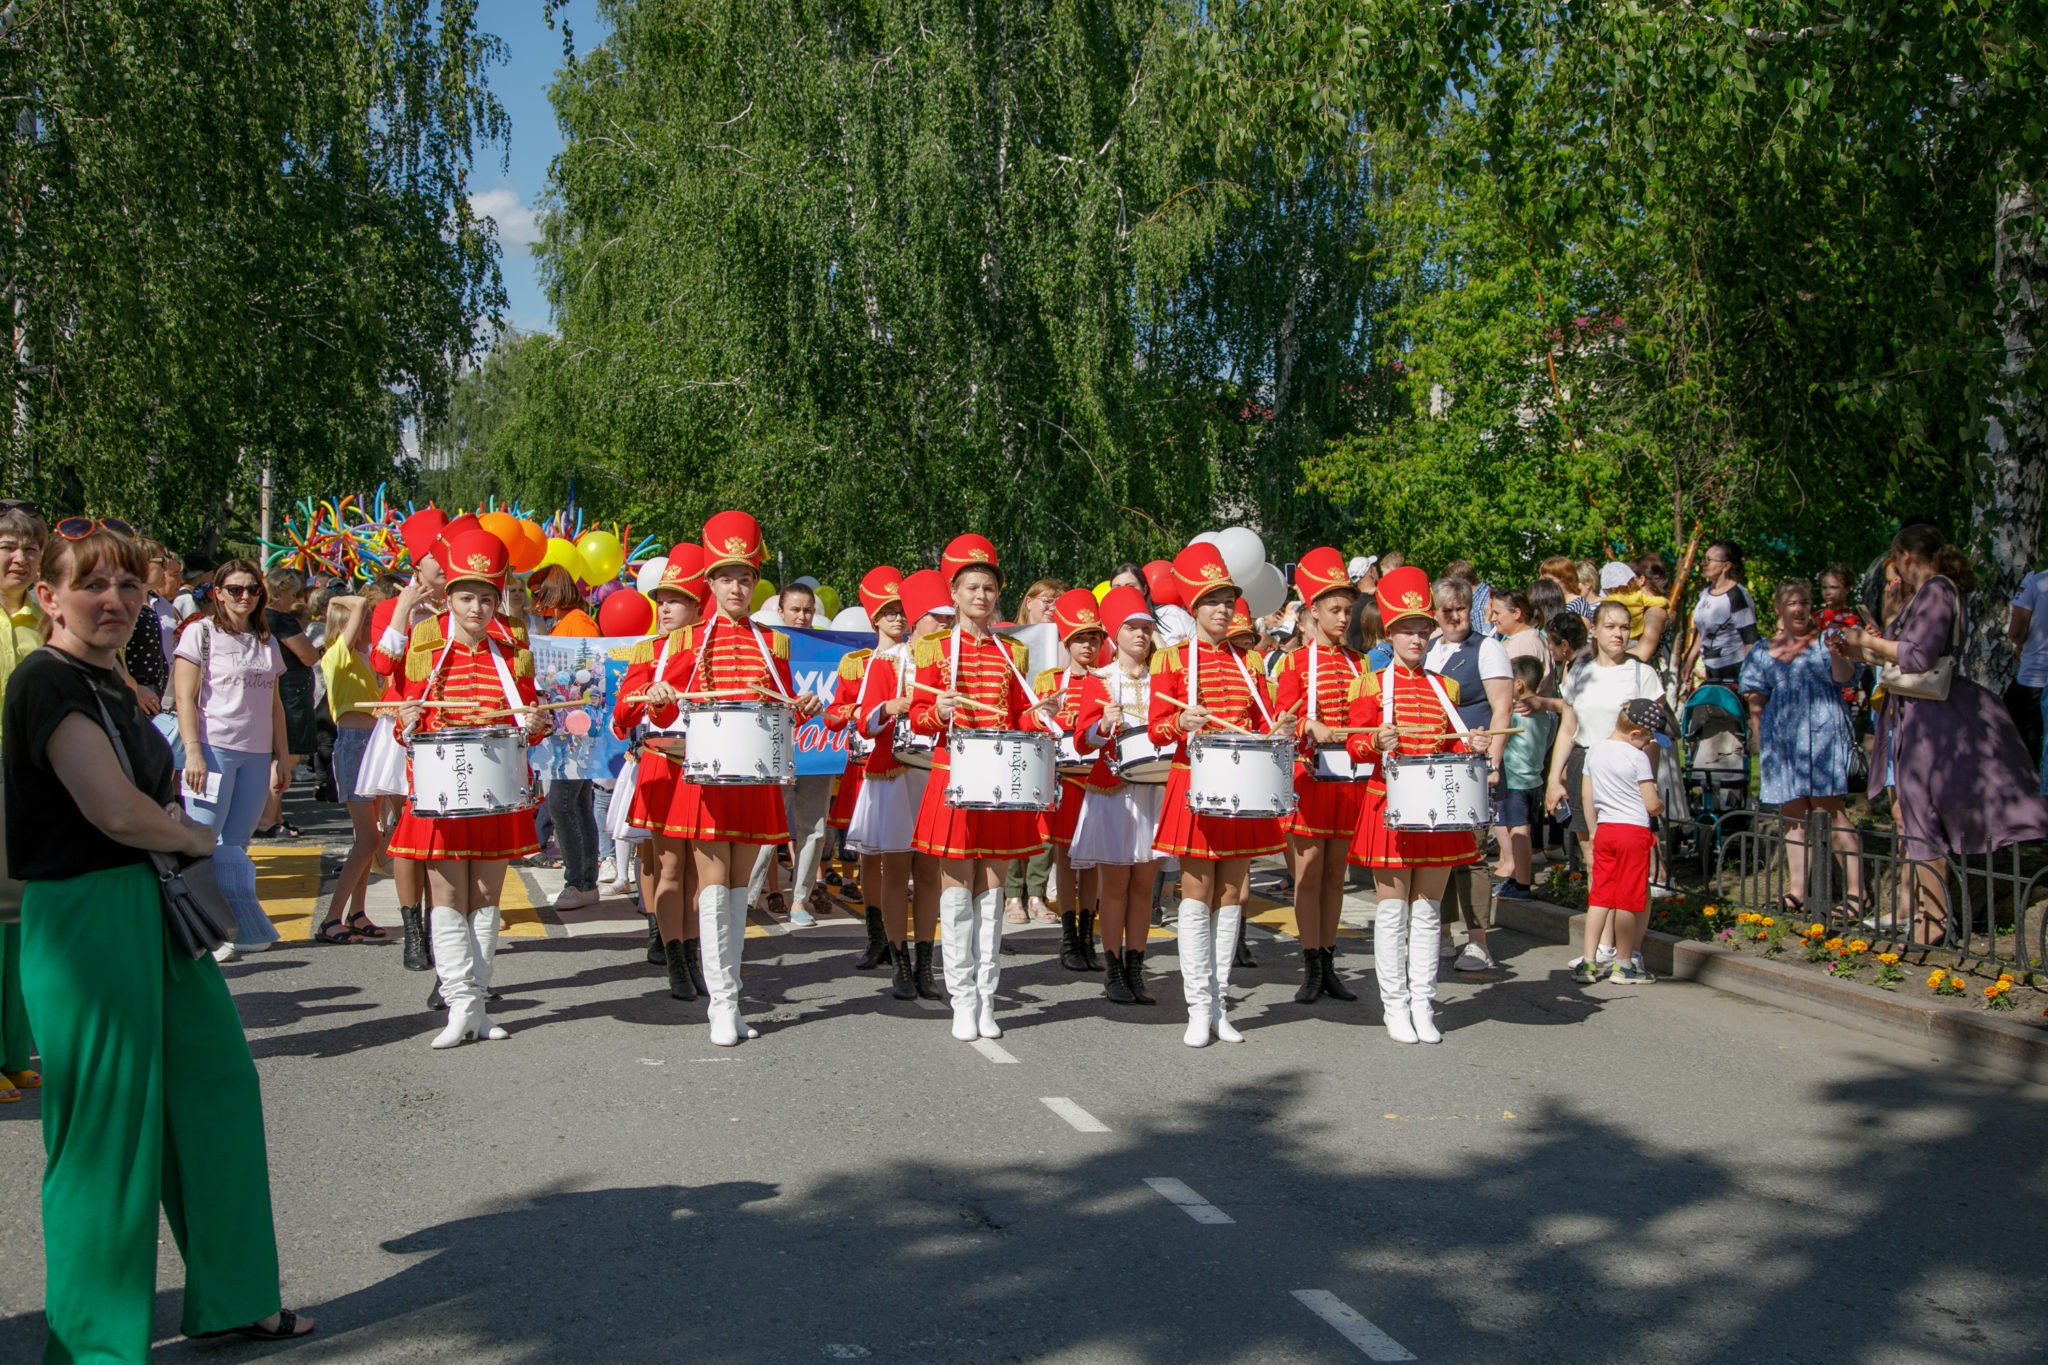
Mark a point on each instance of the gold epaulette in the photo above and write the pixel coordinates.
(1366, 684)
(684, 637)
(1047, 681)
(852, 663)
(1450, 687)
(641, 653)
(778, 644)
(930, 649)
(427, 634)
(522, 664)
(1166, 660)
(517, 630)
(419, 664)
(1020, 653)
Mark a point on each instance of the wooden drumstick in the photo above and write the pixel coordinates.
(1216, 721)
(963, 700)
(394, 705)
(690, 696)
(774, 695)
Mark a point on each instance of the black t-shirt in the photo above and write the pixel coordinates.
(145, 653)
(283, 625)
(48, 839)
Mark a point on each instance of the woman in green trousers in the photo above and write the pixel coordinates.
(149, 1092)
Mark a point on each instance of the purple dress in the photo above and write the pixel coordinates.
(1961, 772)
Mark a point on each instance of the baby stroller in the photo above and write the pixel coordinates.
(1716, 733)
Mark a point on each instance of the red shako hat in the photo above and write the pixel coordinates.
(419, 531)
(684, 571)
(924, 593)
(475, 556)
(1120, 604)
(879, 587)
(1076, 611)
(731, 538)
(1321, 570)
(1198, 571)
(453, 531)
(1241, 622)
(1402, 593)
(968, 552)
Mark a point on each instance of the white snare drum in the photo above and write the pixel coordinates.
(1437, 791)
(471, 770)
(1135, 758)
(912, 749)
(1001, 770)
(738, 743)
(1334, 763)
(1071, 761)
(1244, 776)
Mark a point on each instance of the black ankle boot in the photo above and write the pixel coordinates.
(905, 987)
(1311, 989)
(1134, 977)
(927, 989)
(1086, 934)
(1114, 989)
(693, 957)
(678, 961)
(655, 956)
(1333, 985)
(417, 958)
(877, 954)
(1243, 956)
(1071, 956)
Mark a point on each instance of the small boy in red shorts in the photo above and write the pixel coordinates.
(1624, 788)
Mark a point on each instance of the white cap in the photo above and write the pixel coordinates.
(1360, 566)
(1615, 574)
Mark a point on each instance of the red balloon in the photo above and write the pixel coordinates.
(1159, 579)
(626, 612)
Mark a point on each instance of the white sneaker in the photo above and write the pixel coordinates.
(1445, 949)
(1636, 961)
(1603, 955)
(226, 953)
(1475, 958)
(608, 872)
(574, 899)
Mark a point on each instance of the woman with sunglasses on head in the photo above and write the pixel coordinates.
(231, 721)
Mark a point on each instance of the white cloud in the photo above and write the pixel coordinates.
(517, 228)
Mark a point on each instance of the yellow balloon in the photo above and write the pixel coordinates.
(764, 592)
(1101, 590)
(602, 554)
(828, 600)
(566, 554)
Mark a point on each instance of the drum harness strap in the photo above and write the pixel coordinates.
(710, 631)
(505, 681)
(1195, 681)
(953, 677)
(1436, 685)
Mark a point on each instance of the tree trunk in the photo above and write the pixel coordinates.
(2005, 513)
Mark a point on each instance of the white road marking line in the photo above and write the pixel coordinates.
(1376, 1345)
(1083, 1121)
(989, 1048)
(1190, 1203)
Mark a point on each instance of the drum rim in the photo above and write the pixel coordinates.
(689, 708)
(1033, 735)
(468, 732)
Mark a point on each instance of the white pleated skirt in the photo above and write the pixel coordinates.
(885, 813)
(618, 826)
(383, 768)
(1115, 828)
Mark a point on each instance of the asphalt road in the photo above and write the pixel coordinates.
(1652, 1174)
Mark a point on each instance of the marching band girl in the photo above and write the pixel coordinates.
(734, 657)
(458, 659)
(1076, 617)
(1317, 679)
(392, 623)
(1113, 832)
(651, 680)
(1208, 682)
(968, 678)
(1406, 710)
(870, 700)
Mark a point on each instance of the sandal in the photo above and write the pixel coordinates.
(290, 830)
(361, 924)
(9, 1095)
(1791, 904)
(287, 1327)
(24, 1080)
(775, 904)
(336, 932)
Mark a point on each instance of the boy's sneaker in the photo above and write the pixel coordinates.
(1604, 955)
(608, 871)
(1511, 890)
(1636, 961)
(1629, 974)
(1475, 958)
(1586, 973)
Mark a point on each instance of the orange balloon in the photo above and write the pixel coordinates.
(532, 545)
(505, 527)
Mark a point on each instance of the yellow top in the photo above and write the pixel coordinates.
(23, 635)
(350, 679)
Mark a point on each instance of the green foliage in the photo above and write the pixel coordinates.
(238, 233)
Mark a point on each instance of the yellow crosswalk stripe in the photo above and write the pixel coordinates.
(288, 884)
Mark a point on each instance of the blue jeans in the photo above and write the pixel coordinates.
(575, 831)
(244, 785)
(601, 806)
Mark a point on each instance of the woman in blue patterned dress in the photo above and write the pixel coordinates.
(1799, 726)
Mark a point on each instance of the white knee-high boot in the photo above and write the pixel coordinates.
(721, 975)
(988, 964)
(1197, 934)
(956, 950)
(455, 964)
(1390, 963)
(1229, 924)
(734, 923)
(1425, 919)
(483, 934)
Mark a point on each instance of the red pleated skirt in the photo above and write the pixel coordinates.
(742, 814)
(845, 791)
(1058, 824)
(1324, 810)
(1377, 846)
(945, 832)
(469, 838)
(1209, 838)
(654, 786)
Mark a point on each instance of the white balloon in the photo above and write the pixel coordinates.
(1242, 553)
(1208, 538)
(650, 573)
(770, 614)
(808, 582)
(1266, 591)
(853, 618)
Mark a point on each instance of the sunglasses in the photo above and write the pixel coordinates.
(19, 505)
(242, 590)
(78, 528)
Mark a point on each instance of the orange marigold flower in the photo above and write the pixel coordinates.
(1957, 983)
(1857, 945)
(1833, 945)
(1934, 981)
(1888, 959)
(1710, 910)
(1766, 921)
(1816, 930)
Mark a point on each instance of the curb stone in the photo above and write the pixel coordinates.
(2006, 1047)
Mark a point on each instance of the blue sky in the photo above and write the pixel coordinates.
(508, 182)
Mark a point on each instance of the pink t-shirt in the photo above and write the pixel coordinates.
(236, 685)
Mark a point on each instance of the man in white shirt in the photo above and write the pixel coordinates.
(1485, 676)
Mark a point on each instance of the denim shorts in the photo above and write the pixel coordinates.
(1519, 807)
(350, 744)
